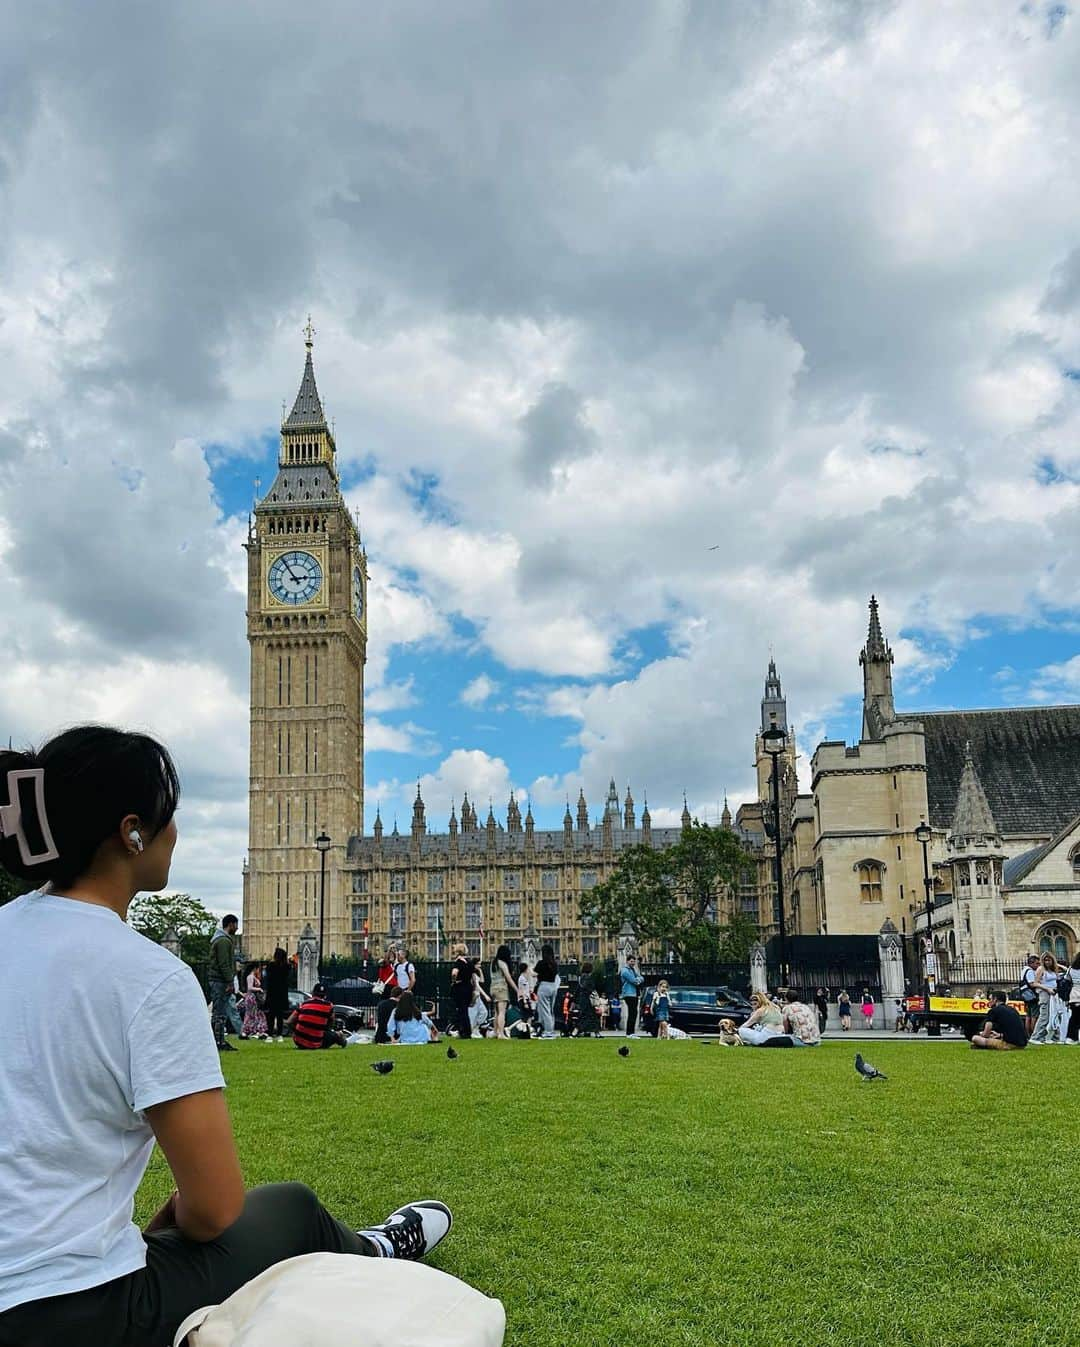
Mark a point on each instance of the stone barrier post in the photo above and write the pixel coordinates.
(759, 981)
(626, 944)
(307, 974)
(891, 959)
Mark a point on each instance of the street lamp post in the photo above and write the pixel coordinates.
(924, 835)
(322, 845)
(775, 741)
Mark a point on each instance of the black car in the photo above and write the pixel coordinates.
(699, 1010)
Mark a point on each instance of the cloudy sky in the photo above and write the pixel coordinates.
(598, 288)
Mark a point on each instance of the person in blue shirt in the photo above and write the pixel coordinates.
(409, 1025)
(632, 982)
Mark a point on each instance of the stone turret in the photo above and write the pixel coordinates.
(725, 817)
(530, 826)
(977, 858)
(646, 823)
(876, 659)
(582, 813)
(513, 816)
(419, 821)
(377, 831)
(453, 820)
(685, 817)
(628, 811)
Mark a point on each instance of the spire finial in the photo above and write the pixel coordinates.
(309, 334)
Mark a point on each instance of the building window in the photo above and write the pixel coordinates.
(511, 879)
(358, 948)
(870, 873)
(359, 882)
(435, 915)
(359, 916)
(474, 915)
(588, 879)
(550, 917)
(590, 947)
(433, 950)
(473, 879)
(397, 881)
(982, 873)
(397, 919)
(473, 946)
(435, 882)
(1055, 940)
(1075, 858)
(549, 879)
(512, 914)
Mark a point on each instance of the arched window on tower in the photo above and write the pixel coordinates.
(1056, 939)
(1075, 861)
(870, 874)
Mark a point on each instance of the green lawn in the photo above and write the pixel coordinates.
(694, 1194)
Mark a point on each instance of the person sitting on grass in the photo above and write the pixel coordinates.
(1004, 1028)
(800, 1021)
(765, 1022)
(409, 1025)
(312, 1022)
(383, 1011)
(89, 820)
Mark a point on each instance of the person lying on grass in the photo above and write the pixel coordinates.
(109, 1049)
(409, 1025)
(1004, 1028)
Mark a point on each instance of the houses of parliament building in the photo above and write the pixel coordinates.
(1001, 786)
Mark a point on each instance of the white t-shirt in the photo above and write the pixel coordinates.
(99, 1023)
(402, 972)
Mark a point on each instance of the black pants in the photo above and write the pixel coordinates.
(630, 1006)
(1073, 1030)
(145, 1308)
(275, 1022)
(461, 1018)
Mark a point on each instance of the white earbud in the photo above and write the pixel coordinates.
(134, 835)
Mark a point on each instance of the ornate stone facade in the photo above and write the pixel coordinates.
(307, 630)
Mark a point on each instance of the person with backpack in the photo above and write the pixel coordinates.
(1028, 992)
(404, 970)
(1046, 985)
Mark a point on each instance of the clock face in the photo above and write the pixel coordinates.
(295, 577)
(358, 592)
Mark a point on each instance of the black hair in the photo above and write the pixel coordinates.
(280, 956)
(792, 995)
(230, 917)
(93, 777)
(503, 953)
(586, 968)
(407, 1009)
(998, 996)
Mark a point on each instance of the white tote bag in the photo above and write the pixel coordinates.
(348, 1301)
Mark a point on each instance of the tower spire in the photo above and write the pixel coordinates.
(973, 818)
(876, 659)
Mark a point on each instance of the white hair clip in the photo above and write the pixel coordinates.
(11, 820)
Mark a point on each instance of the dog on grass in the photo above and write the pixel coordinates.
(729, 1036)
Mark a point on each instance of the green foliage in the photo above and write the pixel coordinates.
(668, 895)
(10, 887)
(152, 914)
(701, 1195)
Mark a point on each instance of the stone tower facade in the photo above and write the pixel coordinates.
(977, 857)
(307, 629)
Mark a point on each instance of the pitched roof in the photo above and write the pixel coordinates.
(302, 482)
(973, 816)
(307, 412)
(1027, 758)
(1019, 867)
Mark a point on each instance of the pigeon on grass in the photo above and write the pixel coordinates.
(867, 1071)
(451, 1054)
(383, 1068)
(624, 1051)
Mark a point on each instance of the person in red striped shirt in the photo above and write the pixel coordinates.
(312, 1022)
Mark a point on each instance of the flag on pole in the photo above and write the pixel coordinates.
(365, 938)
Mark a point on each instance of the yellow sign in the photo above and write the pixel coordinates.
(958, 1005)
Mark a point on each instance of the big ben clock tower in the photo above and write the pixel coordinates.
(307, 628)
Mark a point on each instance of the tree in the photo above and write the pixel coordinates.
(672, 896)
(10, 887)
(152, 914)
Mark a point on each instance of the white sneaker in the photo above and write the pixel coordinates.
(411, 1231)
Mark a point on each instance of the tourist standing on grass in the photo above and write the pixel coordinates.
(631, 984)
(588, 1024)
(409, 1025)
(503, 987)
(1029, 993)
(662, 1008)
(547, 986)
(254, 1025)
(800, 1021)
(90, 819)
(1004, 1029)
(276, 991)
(1046, 985)
(821, 1003)
(1072, 1032)
(222, 977)
(867, 1009)
(384, 975)
(462, 981)
(526, 990)
(766, 1021)
(404, 970)
(843, 1009)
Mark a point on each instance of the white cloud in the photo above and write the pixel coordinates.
(479, 691)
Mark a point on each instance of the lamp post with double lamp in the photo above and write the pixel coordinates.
(322, 845)
(775, 742)
(924, 835)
